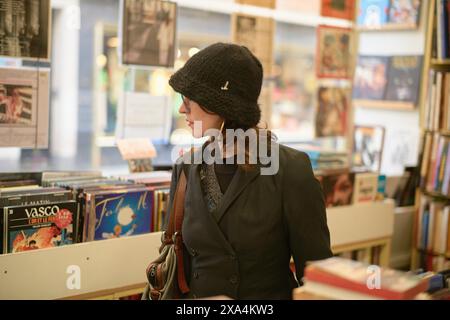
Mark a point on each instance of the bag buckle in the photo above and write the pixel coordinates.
(174, 237)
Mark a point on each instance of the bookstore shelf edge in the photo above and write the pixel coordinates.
(110, 266)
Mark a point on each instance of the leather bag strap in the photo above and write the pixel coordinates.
(173, 233)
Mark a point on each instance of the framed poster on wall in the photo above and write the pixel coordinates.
(332, 113)
(148, 33)
(25, 29)
(334, 51)
(368, 147)
(24, 108)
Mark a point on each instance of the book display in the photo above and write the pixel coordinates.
(65, 209)
(95, 212)
(389, 14)
(393, 80)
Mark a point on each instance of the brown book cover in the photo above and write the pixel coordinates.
(340, 9)
(333, 111)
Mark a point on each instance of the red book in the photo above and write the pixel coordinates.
(360, 277)
(429, 262)
(343, 9)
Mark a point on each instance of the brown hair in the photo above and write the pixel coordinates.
(228, 124)
(247, 166)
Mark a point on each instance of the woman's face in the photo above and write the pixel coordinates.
(194, 113)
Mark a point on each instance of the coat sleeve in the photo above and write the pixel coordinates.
(305, 214)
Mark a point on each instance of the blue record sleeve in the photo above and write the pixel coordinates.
(122, 214)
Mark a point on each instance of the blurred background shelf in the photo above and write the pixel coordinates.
(445, 62)
(389, 27)
(379, 104)
(436, 195)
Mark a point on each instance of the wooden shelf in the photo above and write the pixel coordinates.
(435, 195)
(437, 62)
(440, 65)
(111, 294)
(442, 132)
(388, 27)
(402, 210)
(380, 104)
(434, 254)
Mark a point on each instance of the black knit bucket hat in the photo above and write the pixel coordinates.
(225, 79)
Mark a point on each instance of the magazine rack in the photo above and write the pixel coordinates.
(110, 269)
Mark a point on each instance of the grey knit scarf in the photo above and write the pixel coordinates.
(211, 188)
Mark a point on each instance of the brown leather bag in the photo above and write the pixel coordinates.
(166, 275)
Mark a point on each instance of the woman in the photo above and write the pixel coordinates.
(240, 227)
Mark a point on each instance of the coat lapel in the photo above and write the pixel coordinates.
(239, 182)
(200, 210)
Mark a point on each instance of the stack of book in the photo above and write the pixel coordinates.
(324, 159)
(432, 234)
(327, 160)
(435, 164)
(342, 279)
(437, 106)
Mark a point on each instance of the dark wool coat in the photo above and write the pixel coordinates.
(243, 249)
